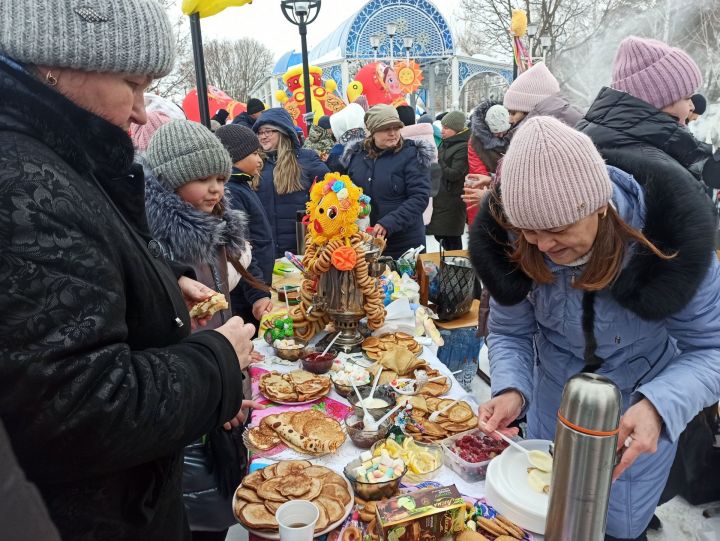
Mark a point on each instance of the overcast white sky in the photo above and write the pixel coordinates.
(264, 21)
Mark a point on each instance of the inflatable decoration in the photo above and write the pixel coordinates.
(208, 8)
(379, 83)
(338, 282)
(518, 29)
(410, 76)
(324, 102)
(217, 99)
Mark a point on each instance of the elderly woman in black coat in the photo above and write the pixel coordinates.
(101, 384)
(395, 173)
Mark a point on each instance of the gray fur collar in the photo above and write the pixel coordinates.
(187, 234)
(426, 151)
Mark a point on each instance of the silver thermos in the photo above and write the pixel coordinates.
(583, 459)
(300, 230)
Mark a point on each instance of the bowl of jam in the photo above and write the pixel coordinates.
(316, 362)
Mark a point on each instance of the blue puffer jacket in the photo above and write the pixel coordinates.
(282, 209)
(398, 184)
(657, 327)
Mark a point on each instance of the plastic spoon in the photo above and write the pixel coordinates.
(375, 426)
(538, 459)
(331, 344)
(367, 418)
(434, 415)
(377, 378)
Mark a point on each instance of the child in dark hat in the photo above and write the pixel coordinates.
(699, 107)
(243, 145)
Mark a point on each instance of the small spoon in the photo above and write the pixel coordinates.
(367, 418)
(331, 344)
(377, 378)
(539, 459)
(375, 426)
(434, 415)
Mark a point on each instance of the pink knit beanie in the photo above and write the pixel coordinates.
(530, 88)
(141, 135)
(552, 176)
(654, 72)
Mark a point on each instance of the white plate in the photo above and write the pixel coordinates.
(507, 488)
(348, 509)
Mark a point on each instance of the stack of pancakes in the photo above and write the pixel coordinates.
(374, 345)
(296, 386)
(459, 418)
(264, 491)
(307, 432)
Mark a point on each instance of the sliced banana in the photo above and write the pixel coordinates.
(539, 480)
(541, 460)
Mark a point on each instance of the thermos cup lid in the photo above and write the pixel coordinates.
(591, 404)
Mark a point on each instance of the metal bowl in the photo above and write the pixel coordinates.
(383, 392)
(292, 354)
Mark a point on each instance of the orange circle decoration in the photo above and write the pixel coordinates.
(409, 75)
(344, 258)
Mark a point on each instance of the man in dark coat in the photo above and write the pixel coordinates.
(449, 212)
(101, 385)
(254, 109)
(282, 208)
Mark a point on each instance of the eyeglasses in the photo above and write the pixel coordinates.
(263, 133)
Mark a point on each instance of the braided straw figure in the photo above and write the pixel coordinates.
(334, 239)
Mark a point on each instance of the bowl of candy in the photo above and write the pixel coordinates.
(290, 349)
(344, 375)
(374, 478)
(470, 453)
(316, 361)
(423, 460)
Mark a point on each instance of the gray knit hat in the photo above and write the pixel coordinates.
(131, 36)
(454, 120)
(240, 141)
(182, 151)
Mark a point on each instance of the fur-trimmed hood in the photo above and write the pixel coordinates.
(480, 129)
(187, 234)
(676, 216)
(426, 152)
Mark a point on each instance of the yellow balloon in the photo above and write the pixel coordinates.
(208, 8)
(355, 88)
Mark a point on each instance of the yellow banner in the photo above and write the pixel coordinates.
(208, 8)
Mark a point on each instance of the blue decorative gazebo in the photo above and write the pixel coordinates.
(350, 46)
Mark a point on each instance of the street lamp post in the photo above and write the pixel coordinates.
(532, 32)
(375, 44)
(407, 43)
(301, 13)
(545, 42)
(391, 29)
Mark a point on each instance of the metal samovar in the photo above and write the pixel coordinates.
(340, 297)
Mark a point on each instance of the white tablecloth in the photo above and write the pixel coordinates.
(348, 451)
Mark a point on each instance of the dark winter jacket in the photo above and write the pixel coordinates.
(23, 514)
(655, 332)
(244, 119)
(449, 211)
(101, 385)
(487, 146)
(398, 184)
(282, 209)
(244, 198)
(617, 120)
(194, 237)
(334, 161)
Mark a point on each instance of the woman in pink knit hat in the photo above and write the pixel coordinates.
(641, 117)
(586, 276)
(536, 92)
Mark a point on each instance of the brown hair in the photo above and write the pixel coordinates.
(606, 260)
(287, 174)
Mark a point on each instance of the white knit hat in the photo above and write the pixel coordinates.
(497, 119)
(530, 88)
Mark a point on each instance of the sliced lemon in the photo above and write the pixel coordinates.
(408, 443)
(393, 448)
(423, 462)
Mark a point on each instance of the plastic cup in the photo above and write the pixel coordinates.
(297, 519)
